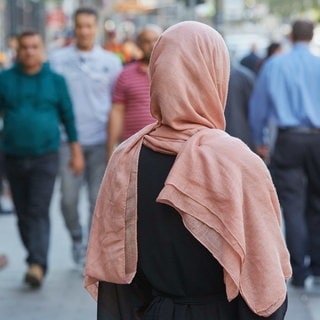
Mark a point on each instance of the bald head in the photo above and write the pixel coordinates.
(146, 39)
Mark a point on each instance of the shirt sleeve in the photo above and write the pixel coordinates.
(260, 108)
(66, 109)
(1, 92)
(118, 94)
(116, 72)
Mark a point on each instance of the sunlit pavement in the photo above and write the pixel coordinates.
(62, 296)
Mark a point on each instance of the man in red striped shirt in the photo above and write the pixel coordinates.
(130, 110)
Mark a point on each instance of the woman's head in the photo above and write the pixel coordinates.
(189, 72)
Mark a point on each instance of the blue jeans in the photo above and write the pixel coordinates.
(31, 182)
(95, 165)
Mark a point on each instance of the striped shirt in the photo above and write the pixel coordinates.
(132, 89)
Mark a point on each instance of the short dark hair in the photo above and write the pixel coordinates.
(28, 33)
(302, 30)
(272, 47)
(85, 10)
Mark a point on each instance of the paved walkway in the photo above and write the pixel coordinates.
(62, 296)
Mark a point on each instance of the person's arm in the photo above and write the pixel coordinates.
(66, 113)
(2, 93)
(115, 122)
(115, 126)
(259, 111)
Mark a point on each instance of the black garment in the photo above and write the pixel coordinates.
(31, 182)
(237, 107)
(177, 277)
(295, 169)
(251, 61)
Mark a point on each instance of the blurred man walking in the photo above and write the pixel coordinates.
(34, 101)
(90, 72)
(287, 91)
(131, 97)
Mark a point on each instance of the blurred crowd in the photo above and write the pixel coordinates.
(66, 108)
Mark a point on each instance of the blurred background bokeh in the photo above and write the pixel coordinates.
(242, 22)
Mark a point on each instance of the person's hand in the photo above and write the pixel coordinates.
(3, 261)
(76, 162)
(264, 153)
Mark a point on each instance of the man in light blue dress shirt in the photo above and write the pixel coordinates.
(288, 92)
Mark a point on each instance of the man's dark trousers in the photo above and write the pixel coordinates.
(32, 181)
(295, 168)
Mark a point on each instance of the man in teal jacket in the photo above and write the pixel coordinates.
(34, 101)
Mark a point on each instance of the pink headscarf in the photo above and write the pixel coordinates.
(222, 190)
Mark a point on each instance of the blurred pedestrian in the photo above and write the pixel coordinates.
(34, 101)
(287, 91)
(11, 50)
(252, 59)
(190, 228)
(118, 46)
(90, 72)
(6, 205)
(273, 48)
(130, 110)
(237, 107)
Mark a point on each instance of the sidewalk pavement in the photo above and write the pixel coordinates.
(62, 296)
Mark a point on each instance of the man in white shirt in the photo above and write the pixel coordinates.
(90, 73)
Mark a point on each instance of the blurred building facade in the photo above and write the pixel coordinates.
(53, 18)
(18, 15)
(41, 15)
